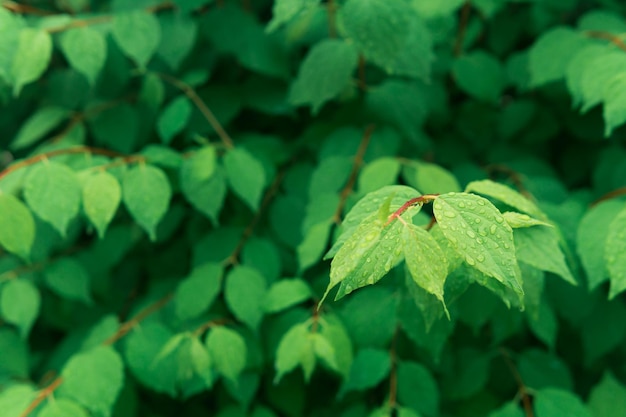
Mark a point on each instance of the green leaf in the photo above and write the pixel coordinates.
(69, 279)
(551, 54)
(545, 324)
(53, 192)
(578, 67)
(15, 361)
(94, 379)
(324, 74)
(203, 185)
(146, 194)
(62, 408)
(174, 118)
(17, 226)
(329, 176)
(379, 173)
(517, 220)
(38, 125)
(102, 194)
(85, 50)
(480, 75)
(295, 348)
(246, 176)
(196, 293)
(507, 195)
(614, 102)
(178, 36)
(596, 79)
(377, 27)
(436, 9)
(138, 35)
(415, 58)
(434, 179)
(283, 11)
(201, 364)
(15, 399)
(480, 235)
(245, 293)
(34, 50)
(551, 402)
(286, 293)
(615, 254)
(511, 409)
(369, 368)
(314, 244)
(425, 260)
(608, 397)
(417, 388)
(19, 304)
(228, 350)
(335, 334)
(539, 247)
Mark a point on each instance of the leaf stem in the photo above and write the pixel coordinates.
(331, 10)
(619, 192)
(460, 38)
(522, 388)
(614, 39)
(42, 395)
(412, 202)
(24, 9)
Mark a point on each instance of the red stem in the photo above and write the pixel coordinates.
(412, 202)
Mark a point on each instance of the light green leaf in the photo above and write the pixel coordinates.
(178, 36)
(416, 57)
(196, 293)
(417, 388)
(62, 407)
(245, 294)
(377, 27)
(517, 220)
(480, 235)
(425, 260)
(506, 195)
(102, 194)
(146, 194)
(53, 192)
(324, 350)
(369, 368)
(15, 399)
(378, 173)
(551, 54)
(19, 304)
(94, 379)
(294, 349)
(614, 103)
(203, 185)
(32, 57)
(38, 125)
(608, 397)
(551, 402)
(228, 350)
(539, 247)
(201, 363)
(245, 175)
(312, 247)
(615, 254)
(69, 279)
(511, 409)
(333, 331)
(329, 176)
(286, 293)
(544, 325)
(324, 74)
(578, 66)
(597, 74)
(138, 35)
(85, 50)
(434, 179)
(284, 11)
(17, 226)
(174, 118)
(480, 75)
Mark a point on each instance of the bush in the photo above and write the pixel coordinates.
(312, 208)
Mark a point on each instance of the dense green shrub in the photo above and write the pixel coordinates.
(312, 208)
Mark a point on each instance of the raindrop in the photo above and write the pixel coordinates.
(479, 241)
(470, 260)
(461, 205)
(471, 234)
(493, 229)
(480, 202)
(480, 258)
(348, 289)
(506, 246)
(481, 211)
(477, 220)
(368, 260)
(499, 219)
(450, 214)
(482, 232)
(370, 280)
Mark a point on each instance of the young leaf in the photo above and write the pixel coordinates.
(15, 399)
(19, 304)
(174, 118)
(615, 254)
(178, 32)
(102, 194)
(551, 54)
(244, 293)
(85, 50)
(425, 260)
(507, 195)
(38, 125)
(69, 279)
(196, 293)
(53, 192)
(94, 379)
(369, 368)
(286, 293)
(480, 235)
(480, 75)
(323, 74)
(294, 349)
(138, 34)
(17, 226)
(62, 407)
(552, 402)
(312, 247)
(614, 101)
(228, 350)
(203, 185)
(32, 57)
(379, 173)
(245, 175)
(146, 194)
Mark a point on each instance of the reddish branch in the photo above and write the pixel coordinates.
(412, 202)
(610, 195)
(24, 9)
(331, 10)
(522, 388)
(356, 167)
(614, 39)
(201, 105)
(42, 395)
(460, 38)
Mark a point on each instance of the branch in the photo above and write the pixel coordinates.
(522, 388)
(211, 323)
(412, 202)
(201, 105)
(362, 83)
(24, 9)
(42, 395)
(610, 195)
(614, 39)
(514, 176)
(356, 167)
(460, 37)
(331, 10)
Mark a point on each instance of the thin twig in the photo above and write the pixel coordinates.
(356, 167)
(25, 9)
(331, 10)
(619, 192)
(514, 176)
(211, 323)
(460, 37)
(522, 388)
(614, 39)
(42, 395)
(201, 105)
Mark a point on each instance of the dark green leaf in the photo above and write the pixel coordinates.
(480, 75)
(245, 294)
(196, 293)
(63, 408)
(17, 226)
(552, 402)
(369, 368)
(246, 176)
(608, 397)
(417, 388)
(174, 118)
(69, 279)
(19, 304)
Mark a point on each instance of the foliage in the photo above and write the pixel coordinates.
(312, 208)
